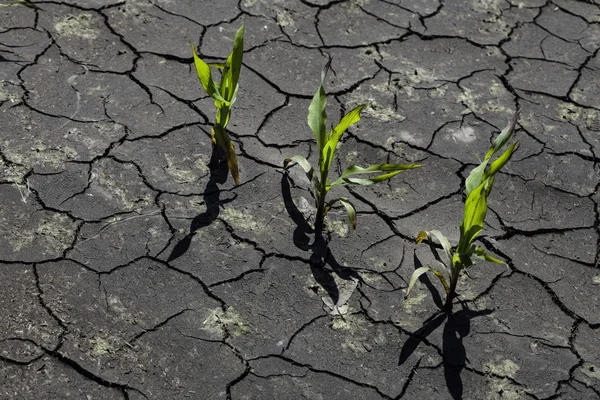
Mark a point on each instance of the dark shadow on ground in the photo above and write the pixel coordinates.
(323, 264)
(300, 237)
(437, 299)
(458, 326)
(213, 202)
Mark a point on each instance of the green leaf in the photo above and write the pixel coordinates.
(308, 170)
(474, 214)
(482, 255)
(389, 170)
(348, 120)
(350, 210)
(217, 65)
(501, 161)
(475, 177)
(482, 172)
(504, 136)
(232, 69)
(420, 271)
(461, 261)
(205, 76)
(443, 241)
(317, 117)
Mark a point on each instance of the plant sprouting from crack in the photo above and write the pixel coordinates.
(327, 143)
(478, 187)
(224, 94)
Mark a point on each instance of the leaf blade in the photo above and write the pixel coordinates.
(317, 116)
(389, 170)
(480, 253)
(350, 211)
(474, 214)
(423, 270)
(205, 77)
(503, 137)
(308, 170)
(232, 69)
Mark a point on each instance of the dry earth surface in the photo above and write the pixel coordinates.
(131, 270)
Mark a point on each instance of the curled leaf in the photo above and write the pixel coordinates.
(308, 170)
(205, 77)
(389, 170)
(420, 271)
(480, 253)
(504, 136)
(350, 210)
(348, 120)
(317, 116)
(233, 66)
(474, 214)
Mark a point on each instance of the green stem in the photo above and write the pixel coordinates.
(452, 292)
(318, 256)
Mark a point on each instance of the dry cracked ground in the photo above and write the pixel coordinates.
(131, 270)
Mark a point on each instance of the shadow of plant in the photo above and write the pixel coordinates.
(457, 327)
(213, 203)
(323, 265)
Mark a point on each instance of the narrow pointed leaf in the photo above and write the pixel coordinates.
(217, 65)
(444, 242)
(427, 235)
(317, 117)
(474, 214)
(420, 271)
(233, 66)
(483, 255)
(348, 120)
(308, 170)
(413, 278)
(475, 177)
(389, 171)
(205, 76)
(501, 161)
(503, 137)
(351, 211)
(442, 279)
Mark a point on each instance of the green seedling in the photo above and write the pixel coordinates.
(478, 187)
(327, 143)
(224, 94)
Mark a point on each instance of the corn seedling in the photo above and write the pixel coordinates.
(327, 143)
(478, 187)
(224, 94)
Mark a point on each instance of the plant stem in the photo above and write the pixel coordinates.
(452, 292)
(318, 256)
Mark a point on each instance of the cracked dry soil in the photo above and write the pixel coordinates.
(129, 270)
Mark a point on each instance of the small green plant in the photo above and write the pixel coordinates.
(224, 94)
(327, 143)
(478, 187)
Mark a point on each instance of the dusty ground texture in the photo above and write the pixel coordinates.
(130, 270)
